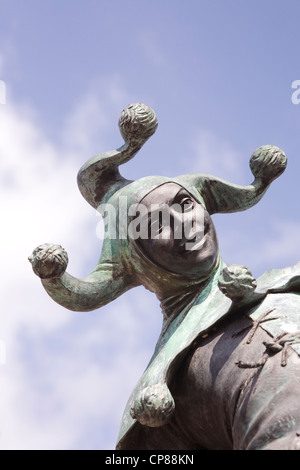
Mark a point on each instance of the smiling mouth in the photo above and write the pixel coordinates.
(195, 243)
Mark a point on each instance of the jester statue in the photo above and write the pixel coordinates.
(225, 373)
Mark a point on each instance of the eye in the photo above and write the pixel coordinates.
(187, 204)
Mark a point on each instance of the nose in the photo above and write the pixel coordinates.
(183, 224)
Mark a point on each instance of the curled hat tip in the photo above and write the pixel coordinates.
(268, 162)
(137, 121)
(49, 261)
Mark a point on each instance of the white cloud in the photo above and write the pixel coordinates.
(94, 117)
(283, 247)
(56, 384)
(1, 64)
(214, 156)
(77, 134)
(71, 380)
(148, 41)
(261, 242)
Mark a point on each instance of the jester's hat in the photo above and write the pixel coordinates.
(100, 182)
(99, 178)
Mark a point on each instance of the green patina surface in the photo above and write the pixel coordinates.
(191, 306)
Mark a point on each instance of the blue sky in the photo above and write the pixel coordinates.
(219, 75)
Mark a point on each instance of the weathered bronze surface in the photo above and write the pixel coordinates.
(225, 373)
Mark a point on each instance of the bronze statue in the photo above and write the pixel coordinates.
(225, 372)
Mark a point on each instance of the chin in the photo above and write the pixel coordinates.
(205, 263)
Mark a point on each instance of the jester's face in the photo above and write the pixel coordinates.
(181, 237)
